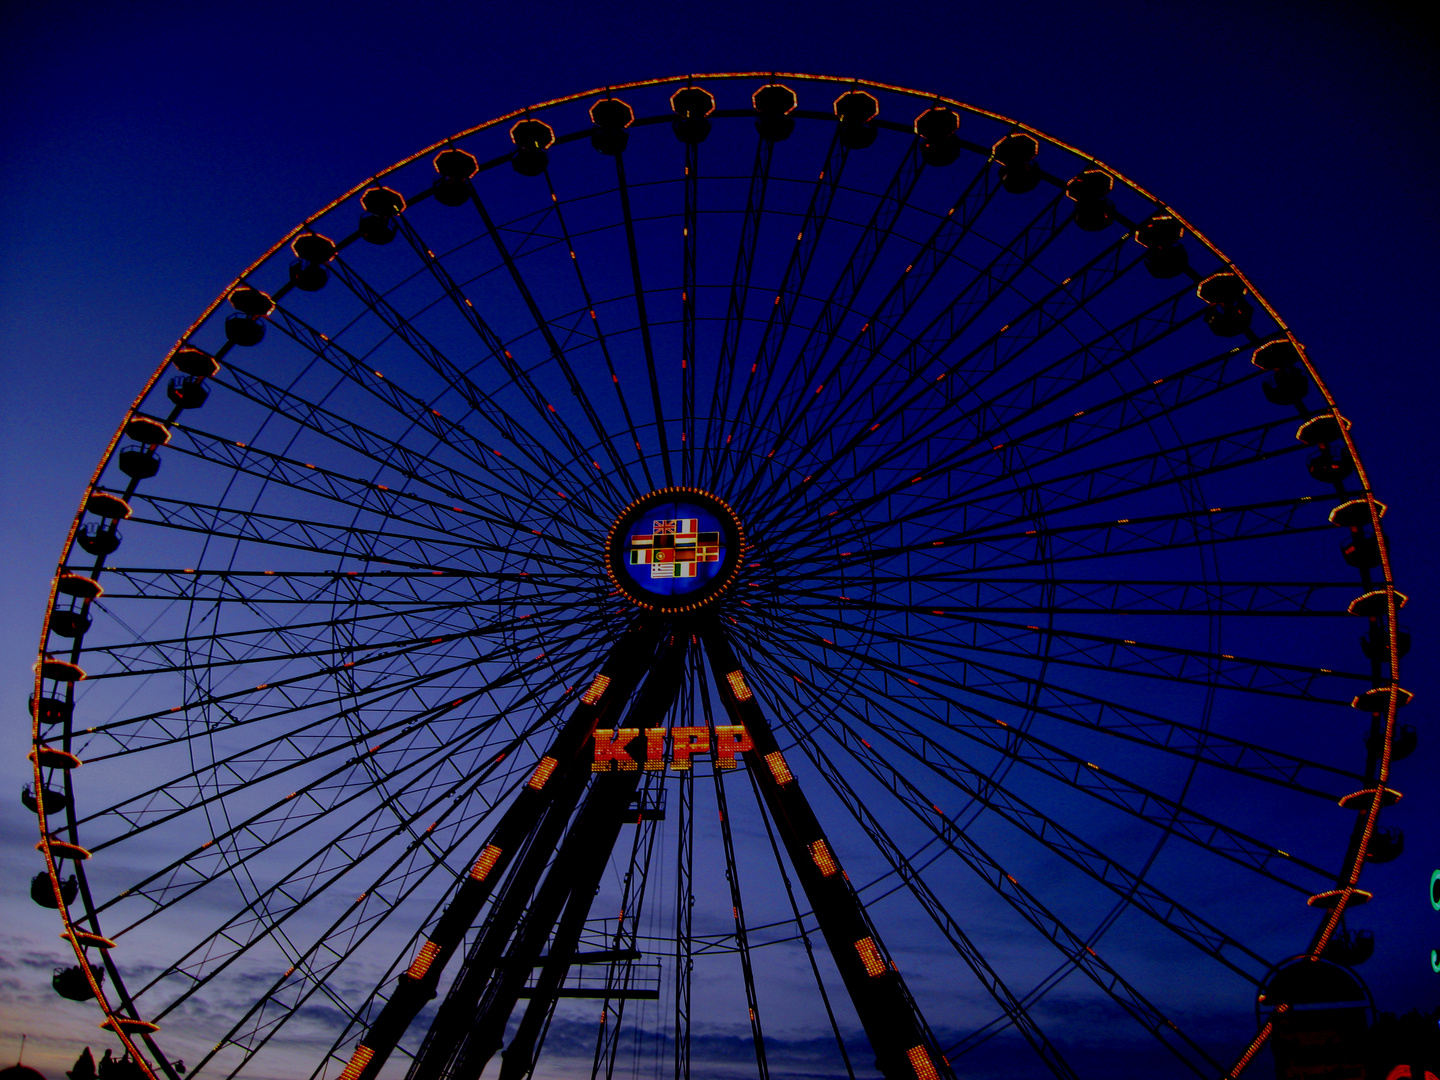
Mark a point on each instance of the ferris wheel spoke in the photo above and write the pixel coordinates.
(1012, 741)
(1121, 656)
(1006, 550)
(966, 595)
(690, 239)
(311, 744)
(890, 378)
(784, 398)
(1168, 467)
(473, 488)
(328, 486)
(934, 255)
(407, 873)
(510, 428)
(333, 539)
(459, 798)
(286, 654)
(742, 939)
(1090, 427)
(411, 407)
(543, 410)
(926, 410)
(777, 321)
(643, 321)
(1145, 659)
(258, 644)
(603, 342)
(728, 355)
(356, 589)
(960, 674)
(548, 411)
(904, 869)
(1070, 944)
(972, 782)
(240, 708)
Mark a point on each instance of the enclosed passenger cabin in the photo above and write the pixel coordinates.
(43, 893)
(612, 118)
(857, 112)
(1165, 256)
(531, 138)
(70, 982)
(1090, 192)
(1229, 313)
(455, 167)
(939, 127)
(1016, 156)
(773, 104)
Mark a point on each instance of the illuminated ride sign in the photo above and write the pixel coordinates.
(613, 749)
(675, 549)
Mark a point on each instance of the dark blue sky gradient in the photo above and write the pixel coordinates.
(150, 151)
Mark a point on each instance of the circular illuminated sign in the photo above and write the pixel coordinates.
(675, 549)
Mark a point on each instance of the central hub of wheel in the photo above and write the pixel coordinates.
(676, 549)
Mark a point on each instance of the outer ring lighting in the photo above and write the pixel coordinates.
(734, 538)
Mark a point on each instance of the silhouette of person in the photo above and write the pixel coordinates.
(84, 1066)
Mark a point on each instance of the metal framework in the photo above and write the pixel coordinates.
(1029, 685)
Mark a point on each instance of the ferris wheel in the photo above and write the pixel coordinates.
(715, 576)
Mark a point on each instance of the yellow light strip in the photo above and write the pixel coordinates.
(870, 957)
(485, 863)
(824, 859)
(542, 772)
(921, 1063)
(778, 768)
(738, 687)
(597, 688)
(362, 1057)
(421, 964)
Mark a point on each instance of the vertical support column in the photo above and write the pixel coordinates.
(416, 986)
(684, 919)
(904, 1047)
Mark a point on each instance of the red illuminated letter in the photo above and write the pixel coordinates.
(611, 748)
(654, 748)
(730, 739)
(686, 742)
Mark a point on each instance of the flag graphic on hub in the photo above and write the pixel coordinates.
(673, 547)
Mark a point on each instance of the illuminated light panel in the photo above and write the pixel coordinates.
(824, 859)
(610, 749)
(737, 686)
(921, 1063)
(778, 768)
(423, 959)
(542, 772)
(730, 739)
(870, 957)
(485, 863)
(597, 689)
(361, 1058)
